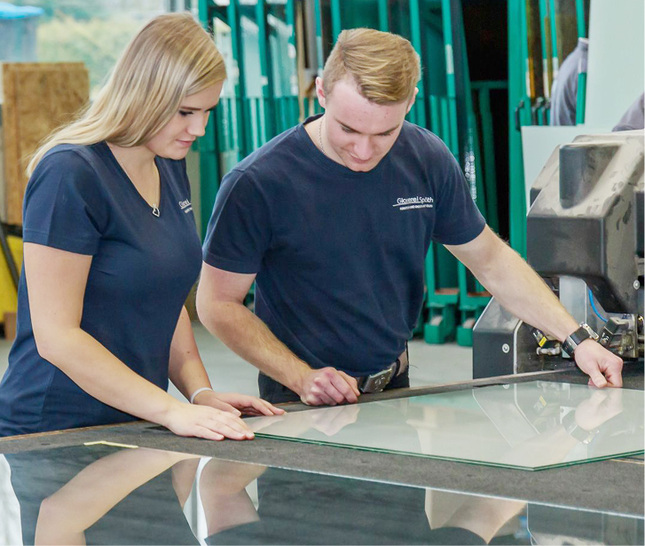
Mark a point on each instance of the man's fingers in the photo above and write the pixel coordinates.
(318, 397)
(326, 387)
(603, 367)
(330, 387)
(325, 395)
(352, 383)
(614, 372)
(598, 379)
(345, 389)
(342, 384)
(614, 379)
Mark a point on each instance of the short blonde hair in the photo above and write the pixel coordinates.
(170, 58)
(384, 66)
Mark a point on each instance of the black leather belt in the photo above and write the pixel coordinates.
(376, 382)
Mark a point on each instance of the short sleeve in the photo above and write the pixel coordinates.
(63, 205)
(459, 220)
(239, 231)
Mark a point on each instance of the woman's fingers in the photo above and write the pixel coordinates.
(261, 407)
(208, 422)
(250, 405)
(224, 406)
(230, 426)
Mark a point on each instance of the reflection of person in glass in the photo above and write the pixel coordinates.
(526, 425)
(513, 438)
(578, 426)
(295, 507)
(65, 516)
(111, 252)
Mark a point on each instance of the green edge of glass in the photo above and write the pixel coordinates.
(450, 459)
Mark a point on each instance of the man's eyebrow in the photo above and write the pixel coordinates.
(355, 131)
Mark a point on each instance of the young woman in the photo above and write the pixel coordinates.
(111, 252)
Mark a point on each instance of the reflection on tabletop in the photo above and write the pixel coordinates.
(531, 425)
(102, 494)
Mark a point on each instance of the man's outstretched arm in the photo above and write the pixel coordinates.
(522, 292)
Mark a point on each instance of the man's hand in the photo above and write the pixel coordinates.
(603, 367)
(328, 386)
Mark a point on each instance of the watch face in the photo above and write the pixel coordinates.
(589, 330)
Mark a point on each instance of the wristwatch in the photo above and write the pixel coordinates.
(576, 338)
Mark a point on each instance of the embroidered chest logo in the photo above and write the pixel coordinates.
(418, 202)
(185, 206)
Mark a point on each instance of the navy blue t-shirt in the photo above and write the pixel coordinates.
(80, 200)
(339, 255)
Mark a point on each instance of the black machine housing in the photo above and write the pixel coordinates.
(585, 238)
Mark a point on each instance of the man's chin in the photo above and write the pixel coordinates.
(361, 166)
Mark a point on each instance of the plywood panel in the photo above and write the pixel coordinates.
(38, 97)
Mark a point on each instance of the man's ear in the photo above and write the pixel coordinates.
(414, 96)
(320, 92)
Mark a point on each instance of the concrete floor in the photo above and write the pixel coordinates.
(430, 364)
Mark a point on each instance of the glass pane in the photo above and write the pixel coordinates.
(530, 425)
(107, 495)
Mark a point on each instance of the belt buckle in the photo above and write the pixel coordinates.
(376, 382)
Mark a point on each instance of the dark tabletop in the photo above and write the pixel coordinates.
(614, 486)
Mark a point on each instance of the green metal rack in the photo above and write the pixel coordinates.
(582, 75)
(561, 23)
(258, 100)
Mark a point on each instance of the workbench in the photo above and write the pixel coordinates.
(604, 498)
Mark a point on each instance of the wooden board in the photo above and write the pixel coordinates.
(9, 321)
(38, 98)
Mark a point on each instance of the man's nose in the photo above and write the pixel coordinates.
(363, 148)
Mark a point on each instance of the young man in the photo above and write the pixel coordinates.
(333, 220)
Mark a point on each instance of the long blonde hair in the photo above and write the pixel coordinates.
(384, 66)
(170, 58)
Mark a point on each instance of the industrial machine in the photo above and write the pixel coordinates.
(585, 238)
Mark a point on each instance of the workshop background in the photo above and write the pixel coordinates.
(488, 68)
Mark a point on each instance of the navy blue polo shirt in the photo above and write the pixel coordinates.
(80, 200)
(339, 255)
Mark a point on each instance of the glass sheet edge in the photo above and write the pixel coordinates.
(449, 459)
